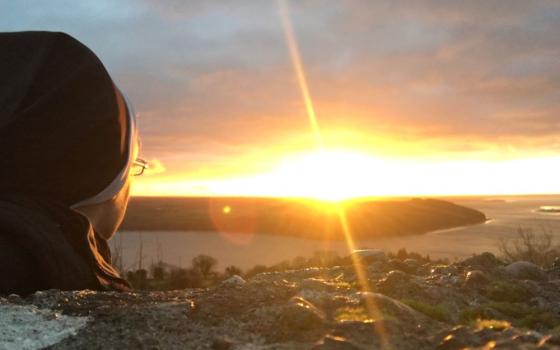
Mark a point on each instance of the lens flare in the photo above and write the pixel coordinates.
(300, 73)
(295, 56)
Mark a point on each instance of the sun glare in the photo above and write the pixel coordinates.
(326, 175)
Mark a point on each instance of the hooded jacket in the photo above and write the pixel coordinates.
(64, 137)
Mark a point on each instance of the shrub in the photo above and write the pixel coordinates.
(158, 271)
(473, 314)
(138, 279)
(203, 265)
(256, 270)
(514, 310)
(437, 312)
(518, 314)
(528, 246)
(402, 254)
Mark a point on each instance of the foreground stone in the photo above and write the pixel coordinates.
(453, 307)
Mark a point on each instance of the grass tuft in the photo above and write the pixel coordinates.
(437, 312)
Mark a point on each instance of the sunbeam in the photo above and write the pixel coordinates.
(371, 307)
(299, 71)
(295, 56)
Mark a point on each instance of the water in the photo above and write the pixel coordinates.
(245, 251)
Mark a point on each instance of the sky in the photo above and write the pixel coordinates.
(418, 97)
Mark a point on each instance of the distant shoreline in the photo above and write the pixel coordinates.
(202, 232)
(304, 219)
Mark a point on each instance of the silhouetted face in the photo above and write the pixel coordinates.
(106, 217)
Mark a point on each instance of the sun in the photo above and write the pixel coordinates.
(330, 175)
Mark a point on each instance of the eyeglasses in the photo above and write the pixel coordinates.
(139, 166)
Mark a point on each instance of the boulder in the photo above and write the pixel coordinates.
(369, 255)
(317, 284)
(412, 263)
(444, 270)
(384, 307)
(485, 260)
(526, 270)
(408, 265)
(476, 279)
(234, 280)
(330, 342)
(300, 314)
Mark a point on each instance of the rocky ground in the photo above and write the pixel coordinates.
(478, 303)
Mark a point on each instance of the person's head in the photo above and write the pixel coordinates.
(67, 133)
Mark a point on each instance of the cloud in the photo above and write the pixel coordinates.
(213, 80)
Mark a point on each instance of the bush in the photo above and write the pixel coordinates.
(233, 270)
(437, 312)
(138, 279)
(402, 254)
(473, 314)
(514, 310)
(203, 265)
(528, 246)
(517, 314)
(158, 271)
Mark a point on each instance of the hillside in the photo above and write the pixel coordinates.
(301, 218)
(477, 303)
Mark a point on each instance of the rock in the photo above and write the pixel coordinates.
(234, 280)
(399, 284)
(377, 267)
(397, 264)
(330, 342)
(317, 297)
(385, 306)
(222, 344)
(551, 339)
(424, 269)
(317, 284)
(412, 263)
(300, 314)
(415, 312)
(444, 270)
(484, 260)
(14, 298)
(532, 337)
(394, 279)
(455, 280)
(539, 302)
(30, 327)
(410, 267)
(512, 291)
(476, 279)
(397, 276)
(369, 255)
(458, 338)
(451, 342)
(526, 270)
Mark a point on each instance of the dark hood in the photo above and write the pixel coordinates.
(62, 120)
